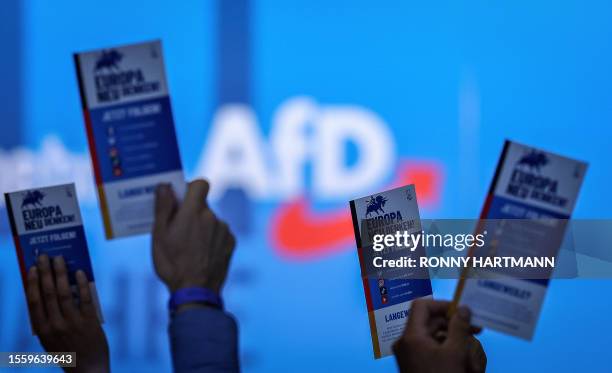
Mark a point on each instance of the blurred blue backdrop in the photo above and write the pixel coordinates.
(436, 87)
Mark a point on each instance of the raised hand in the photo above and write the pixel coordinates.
(60, 324)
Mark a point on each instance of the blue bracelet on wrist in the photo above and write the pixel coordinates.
(194, 295)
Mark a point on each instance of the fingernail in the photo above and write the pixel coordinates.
(163, 189)
(43, 258)
(81, 275)
(32, 271)
(58, 260)
(464, 313)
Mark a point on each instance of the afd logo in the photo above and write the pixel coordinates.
(312, 157)
(533, 161)
(375, 204)
(32, 198)
(108, 60)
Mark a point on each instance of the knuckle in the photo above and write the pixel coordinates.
(454, 353)
(49, 292)
(43, 330)
(85, 298)
(58, 326)
(222, 226)
(207, 216)
(32, 299)
(232, 245)
(78, 324)
(83, 286)
(409, 340)
(204, 183)
(209, 213)
(60, 270)
(64, 297)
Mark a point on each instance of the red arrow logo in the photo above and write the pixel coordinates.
(298, 232)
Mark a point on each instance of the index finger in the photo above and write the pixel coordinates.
(195, 198)
(422, 311)
(64, 294)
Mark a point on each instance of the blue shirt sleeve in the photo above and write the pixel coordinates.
(204, 339)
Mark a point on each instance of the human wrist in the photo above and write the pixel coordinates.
(192, 297)
(192, 306)
(187, 280)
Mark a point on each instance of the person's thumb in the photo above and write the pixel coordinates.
(459, 329)
(478, 357)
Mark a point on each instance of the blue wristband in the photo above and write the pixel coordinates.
(194, 295)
